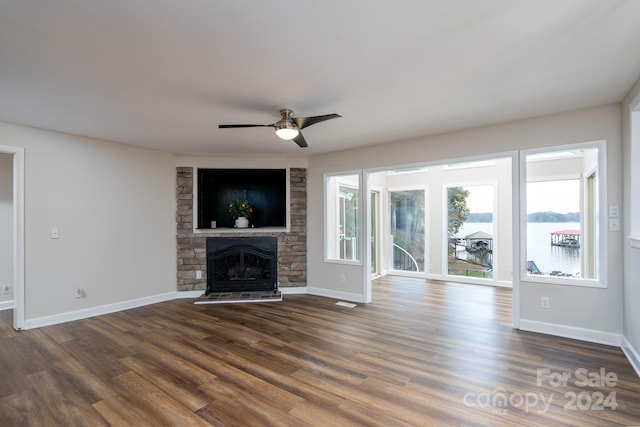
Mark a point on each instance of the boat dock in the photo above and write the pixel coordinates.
(566, 238)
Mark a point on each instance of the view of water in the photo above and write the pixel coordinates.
(539, 250)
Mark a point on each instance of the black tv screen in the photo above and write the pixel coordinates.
(265, 189)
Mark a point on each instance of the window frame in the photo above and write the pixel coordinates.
(389, 260)
(601, 221)
(494, 226)
(331, 187)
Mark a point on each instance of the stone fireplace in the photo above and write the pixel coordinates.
(192, 243)
(242, 264)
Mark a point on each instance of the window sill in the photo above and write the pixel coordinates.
(567, 281)
(634, 241)
(342, 261)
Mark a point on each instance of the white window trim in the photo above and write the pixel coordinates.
(602, 221)
(469, 164)
(495, 231)
(387, 228)
(329, 217)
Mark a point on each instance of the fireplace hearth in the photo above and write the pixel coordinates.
(242, 264)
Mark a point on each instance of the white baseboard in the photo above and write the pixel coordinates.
(189, 294)
(582, 334)
(97, 311)
(632, 354)
(7, 305)
(329, 293)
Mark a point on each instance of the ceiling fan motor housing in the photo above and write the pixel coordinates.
(286, 128)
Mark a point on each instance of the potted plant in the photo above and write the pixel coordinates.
(241, 210)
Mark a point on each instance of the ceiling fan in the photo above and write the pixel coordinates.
(289, 127)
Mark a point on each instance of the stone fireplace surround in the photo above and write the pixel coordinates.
(292, 245)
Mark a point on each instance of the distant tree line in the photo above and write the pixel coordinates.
(553, 217)
(532, 217)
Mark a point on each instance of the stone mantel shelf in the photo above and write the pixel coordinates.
(247, 230)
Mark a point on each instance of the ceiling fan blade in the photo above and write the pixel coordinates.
(244, 126)
(300, 140)
(304, 122)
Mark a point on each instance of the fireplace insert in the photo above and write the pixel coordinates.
(242, 264)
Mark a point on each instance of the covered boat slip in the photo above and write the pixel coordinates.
(567, 238)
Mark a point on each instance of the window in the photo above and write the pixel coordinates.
(407, 214)
(561, 219)
(470, 231)
(343, 217)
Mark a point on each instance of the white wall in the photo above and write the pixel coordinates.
(631, 309)
(6, 224)
(115, 208)
(597, 309)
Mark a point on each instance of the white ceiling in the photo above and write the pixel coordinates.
(165, 73)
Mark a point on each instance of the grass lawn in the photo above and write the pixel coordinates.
(461, 267)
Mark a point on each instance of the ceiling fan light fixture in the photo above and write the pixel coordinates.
(286, 129)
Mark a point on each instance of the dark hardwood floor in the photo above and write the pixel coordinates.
(421, 354)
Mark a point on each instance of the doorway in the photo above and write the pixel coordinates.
(414, 236)
(6, 231)
(448, 221)
(13, 158)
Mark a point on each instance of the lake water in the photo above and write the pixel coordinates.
(548, 258)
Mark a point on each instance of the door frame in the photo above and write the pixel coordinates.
(516, 189)
(377, 229)
(18, 235)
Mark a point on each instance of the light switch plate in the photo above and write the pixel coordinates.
(55, 233)
(614, 211)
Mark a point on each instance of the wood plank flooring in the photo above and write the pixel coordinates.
(422, 354)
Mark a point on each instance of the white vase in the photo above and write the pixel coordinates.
(242, 222)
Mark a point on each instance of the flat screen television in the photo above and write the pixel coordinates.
(265, 189)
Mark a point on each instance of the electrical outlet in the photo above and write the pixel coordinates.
(198, 274)
(614, 224)
(6, 288)
(544, 302)
(343, 278)
(77, 292)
